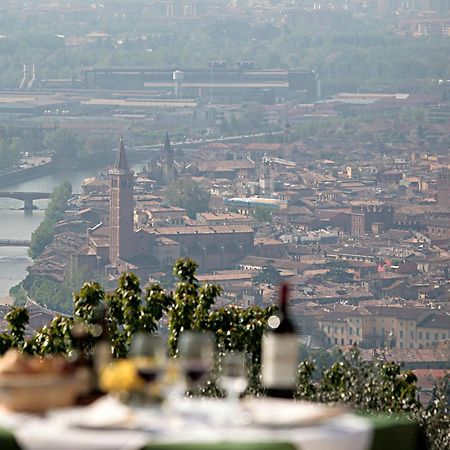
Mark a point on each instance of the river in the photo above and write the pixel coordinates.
(15, 224)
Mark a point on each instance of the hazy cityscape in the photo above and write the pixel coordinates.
(299, 142)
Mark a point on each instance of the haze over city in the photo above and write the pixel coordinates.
(272, 142)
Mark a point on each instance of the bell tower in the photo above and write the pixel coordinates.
(121, 208)
(168, 161)
(443, 189)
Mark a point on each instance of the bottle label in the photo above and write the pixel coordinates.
(279, 360)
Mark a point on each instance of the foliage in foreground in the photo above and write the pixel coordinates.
(378, 386)
(364, 385)
(130, 309)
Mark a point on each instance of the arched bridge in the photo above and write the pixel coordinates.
(26, 197)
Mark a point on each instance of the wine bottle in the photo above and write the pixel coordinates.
(280, 352)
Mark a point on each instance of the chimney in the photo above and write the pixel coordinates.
(33, 78)
(23, 83)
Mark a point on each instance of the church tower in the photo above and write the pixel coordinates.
(121, 208)
(266, 179)
(443, 189)
(167, 158)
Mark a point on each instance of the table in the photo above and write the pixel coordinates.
(205, 428)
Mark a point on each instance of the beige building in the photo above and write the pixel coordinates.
(344, 328)
(385, 326)
(225, 218)
(156, 215)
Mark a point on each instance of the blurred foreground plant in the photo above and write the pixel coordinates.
(377, 385)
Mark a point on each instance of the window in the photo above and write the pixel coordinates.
(357, 331)
(329, 340)
(436, 336)
(411, 334)
(427, 335)
(420, 335)
(335, 341)
(335, 329)
(401, 334)
(342, 341)
(443, 336)
(342, 330)
(350, 330)
(411, 345)
(350, 342)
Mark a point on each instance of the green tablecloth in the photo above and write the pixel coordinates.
(396, 431)
(389, 432)
(7, 441)
(224, 446)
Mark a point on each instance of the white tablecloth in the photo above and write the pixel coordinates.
(68, 429)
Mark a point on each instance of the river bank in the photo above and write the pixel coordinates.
(16, 224)
(6, 300)
(26, 174)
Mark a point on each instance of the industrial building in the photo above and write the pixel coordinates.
(213, 84)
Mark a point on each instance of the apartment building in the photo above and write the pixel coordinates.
(344, 327)
(385, 326)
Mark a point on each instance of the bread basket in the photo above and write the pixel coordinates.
(39, 392)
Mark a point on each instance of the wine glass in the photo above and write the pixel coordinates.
(149, 354)
(233, 371)
(196, 351)
(233, 374)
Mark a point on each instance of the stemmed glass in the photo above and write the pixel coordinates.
(149, 354)
(196, 352)
(233, 371)
(233, 374)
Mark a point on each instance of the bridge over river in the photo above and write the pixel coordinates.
(26, 197)
(15, 243)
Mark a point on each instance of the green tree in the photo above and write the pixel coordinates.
(267, 275)
(98, 147)
(19, 294)
(43, 235)
(64, 143)
(252, 117)
(369, 386)
(262, 214)
(50, 293)
(188, 194)
(40, 238)
(9, 153)
(235, 328)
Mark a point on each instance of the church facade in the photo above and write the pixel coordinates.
(122, 246)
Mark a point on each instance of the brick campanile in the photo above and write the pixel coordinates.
(443, 189)
(121, 208)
